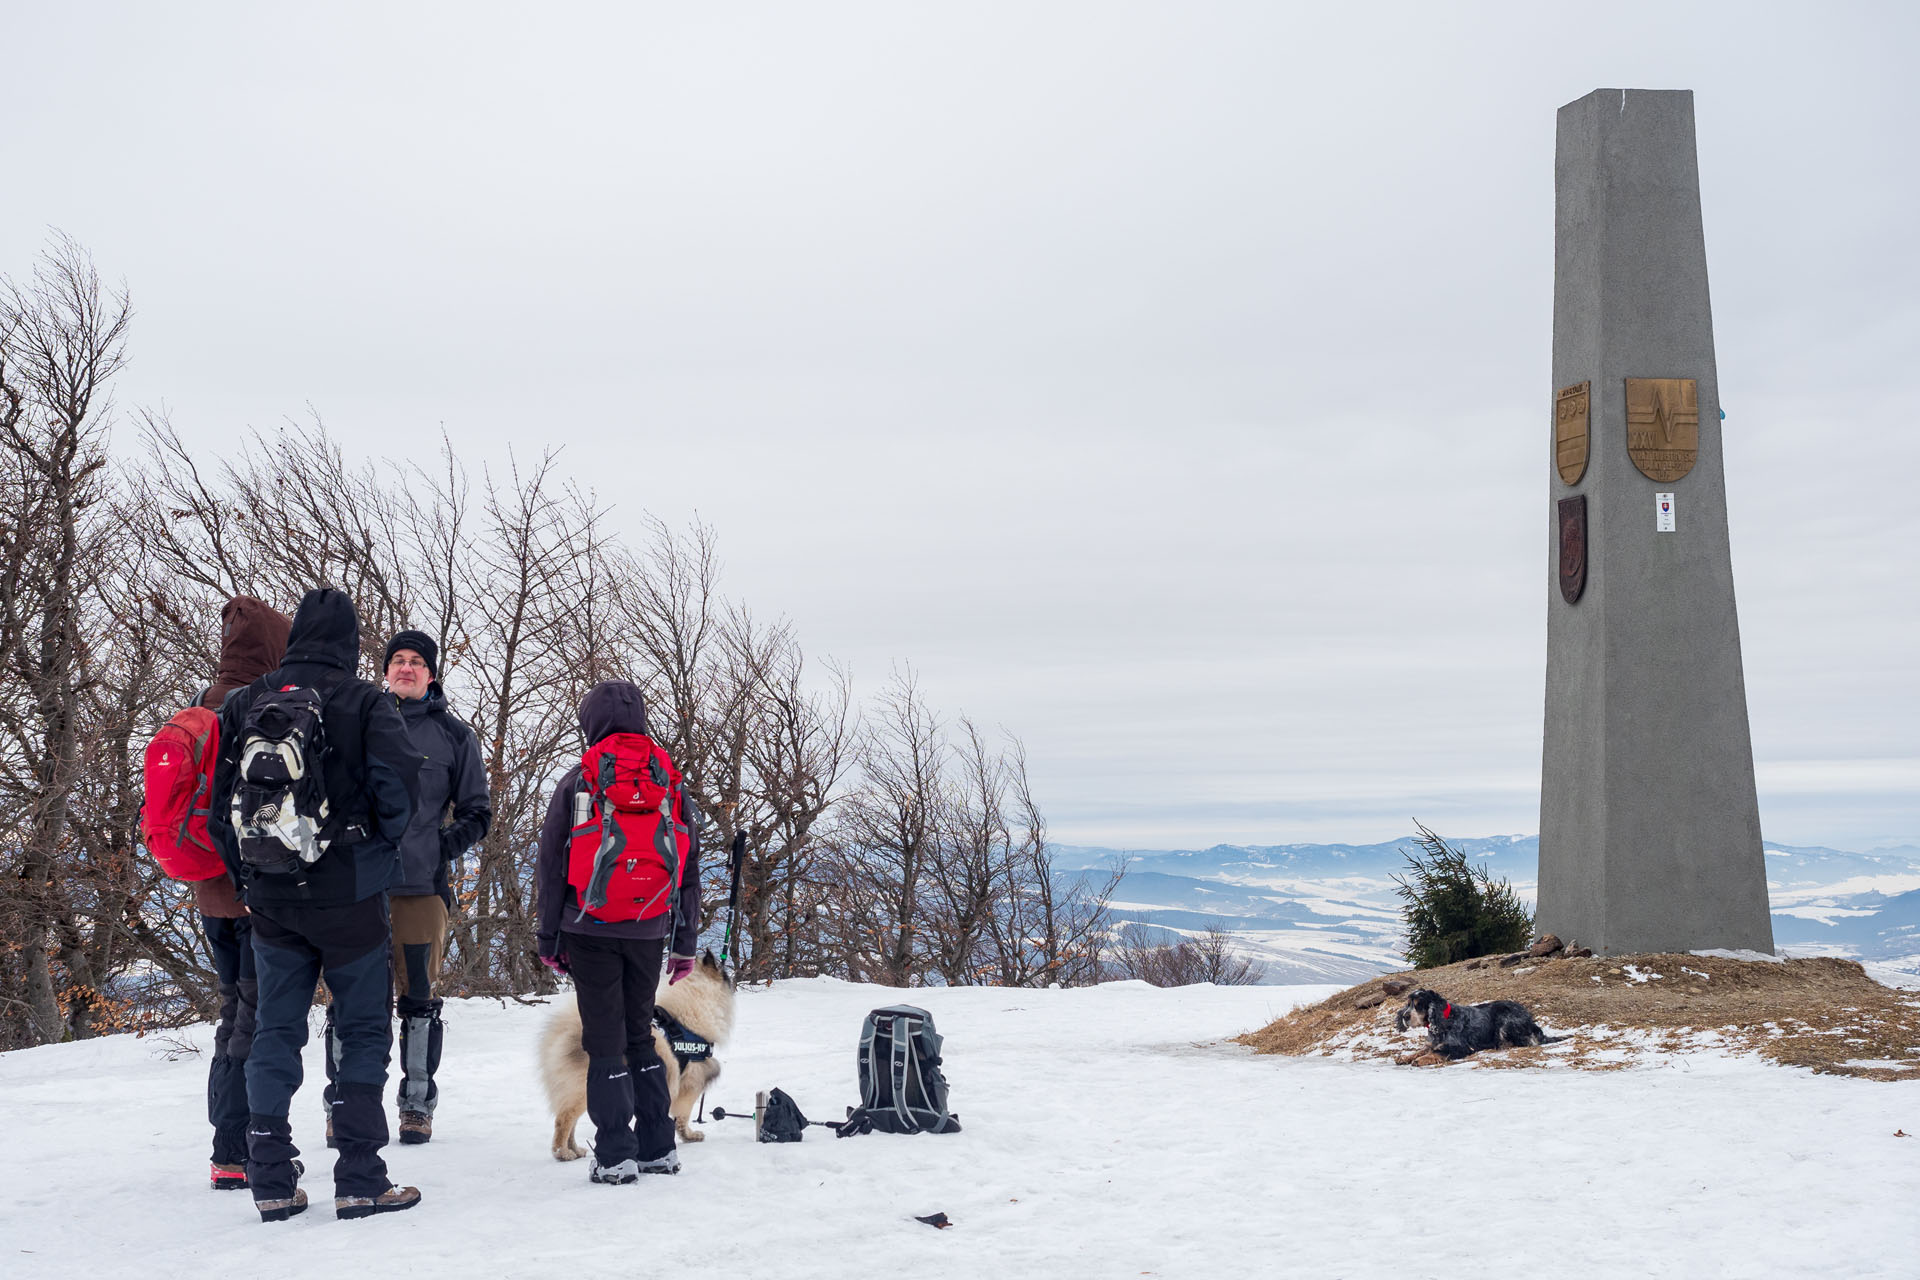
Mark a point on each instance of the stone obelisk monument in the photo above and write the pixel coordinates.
(1649, 827)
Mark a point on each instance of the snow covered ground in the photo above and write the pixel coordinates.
(1109, 1132)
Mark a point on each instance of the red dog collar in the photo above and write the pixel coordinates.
(1448, 1011)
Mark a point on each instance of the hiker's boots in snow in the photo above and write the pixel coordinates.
(392, 1200)
(421, 1036)
(618, 1175)
(281, 1210)
(416, 1127)
(631, 1170)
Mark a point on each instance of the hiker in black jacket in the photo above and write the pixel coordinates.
(616, 965)
(327, 919)
(453, 815)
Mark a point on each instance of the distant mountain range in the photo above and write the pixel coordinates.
(1328, 912)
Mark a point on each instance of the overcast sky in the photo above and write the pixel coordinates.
(1168, 383)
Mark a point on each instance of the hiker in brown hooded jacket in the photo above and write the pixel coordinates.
(253, 640)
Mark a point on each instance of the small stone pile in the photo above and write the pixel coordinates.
(1546, 947)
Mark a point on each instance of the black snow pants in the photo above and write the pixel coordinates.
(614, 981)
(231, 943)
(294, 947)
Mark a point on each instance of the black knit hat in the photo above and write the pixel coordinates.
(418, 641)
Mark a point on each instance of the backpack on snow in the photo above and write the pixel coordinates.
(178, 777)
(901, 1087)
(281, 816)
(629, 849)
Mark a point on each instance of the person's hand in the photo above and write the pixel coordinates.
(678, 968)
(557, 963)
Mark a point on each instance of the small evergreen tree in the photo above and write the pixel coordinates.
(1455, 911)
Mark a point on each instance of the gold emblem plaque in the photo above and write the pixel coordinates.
(1663, 426)
(1570, 432)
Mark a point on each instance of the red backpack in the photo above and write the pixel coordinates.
(179, 782)
(629, 848)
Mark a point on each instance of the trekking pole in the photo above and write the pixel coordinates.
(758, 1116)
(737, 856)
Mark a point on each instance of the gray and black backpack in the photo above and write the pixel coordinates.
(901, 1087)
(281, 817)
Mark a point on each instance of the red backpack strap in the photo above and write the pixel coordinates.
(667, 835)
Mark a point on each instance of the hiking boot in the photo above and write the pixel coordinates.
(392, 1200)
(617, 1175)
(333, 1143)
(416, 1127)
(281, 1210)
(668, 1163)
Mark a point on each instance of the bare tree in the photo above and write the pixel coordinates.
(1047, 931)
(1207, 956)
(62, 338)
(886, 839)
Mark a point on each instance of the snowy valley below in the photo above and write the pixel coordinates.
(1329, 913)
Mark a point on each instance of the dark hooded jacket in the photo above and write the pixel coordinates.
(613, 706)
(454, 811)
(371, 769)
(253, 639)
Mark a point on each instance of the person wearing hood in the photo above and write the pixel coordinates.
(253, 638)
(452, 817)
(615, 963)
(322, 919)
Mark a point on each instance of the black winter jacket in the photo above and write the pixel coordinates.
(371, 769)
(613, 706)
(451, 777)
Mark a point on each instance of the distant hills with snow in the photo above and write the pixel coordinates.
(1328, 912)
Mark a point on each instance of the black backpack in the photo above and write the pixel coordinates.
(901, 1088)
(281, 817)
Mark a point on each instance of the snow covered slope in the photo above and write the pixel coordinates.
(1109, 1133)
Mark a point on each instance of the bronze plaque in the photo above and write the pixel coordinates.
(1573, 548)
(1570, 432)
(1663, 426)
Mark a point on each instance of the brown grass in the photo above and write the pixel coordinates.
(1821, 1014)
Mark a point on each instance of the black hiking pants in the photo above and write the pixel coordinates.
(231, 943)
(614, 981)
(294, 947)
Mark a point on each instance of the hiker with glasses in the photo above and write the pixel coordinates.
(453, 816)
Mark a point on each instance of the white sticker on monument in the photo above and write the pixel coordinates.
(1663, 513)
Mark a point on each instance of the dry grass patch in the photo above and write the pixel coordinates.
(1823, 1014)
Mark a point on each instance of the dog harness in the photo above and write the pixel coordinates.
(687, 1047)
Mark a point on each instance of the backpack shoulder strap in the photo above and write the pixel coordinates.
(902, 1064)
(869, 1069)
(344, 720)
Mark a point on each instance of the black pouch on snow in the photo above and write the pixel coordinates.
(280, 810)
(781, 1119)
(901, 1087)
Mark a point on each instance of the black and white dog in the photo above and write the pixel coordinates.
(1456, 1030)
